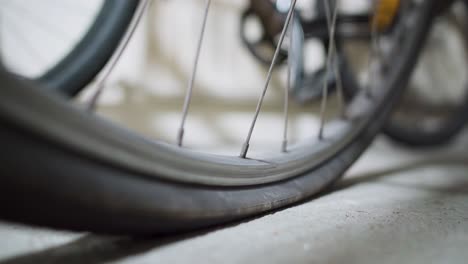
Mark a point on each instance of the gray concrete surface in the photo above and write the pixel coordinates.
(394, 206)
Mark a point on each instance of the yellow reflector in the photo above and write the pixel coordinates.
(385, 13)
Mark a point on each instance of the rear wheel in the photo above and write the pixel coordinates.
(433, 109)
(66, 44)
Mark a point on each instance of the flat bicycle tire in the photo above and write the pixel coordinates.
(48, 184)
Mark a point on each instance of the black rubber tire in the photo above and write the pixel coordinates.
(410, 136)
(451, 127)
(414, 137)
(91, 53)
(47, 184)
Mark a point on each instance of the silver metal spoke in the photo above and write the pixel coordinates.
(331, 46)
(336, 67)
(374, 55)
(102, 78)
(245, 146)
(339, 90)
(188, 95)
(287, 88)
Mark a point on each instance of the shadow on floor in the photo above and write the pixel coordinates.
(379, 174)
(94, 249)
(99, 249)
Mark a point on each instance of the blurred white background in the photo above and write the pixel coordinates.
(146, 90)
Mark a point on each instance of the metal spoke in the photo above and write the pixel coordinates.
(339, 89)
(374, 54)
(245, 146)
(188, 95)
(287, 88)
(336, 66)
(331, 49)
(102, 78)
(284, 144)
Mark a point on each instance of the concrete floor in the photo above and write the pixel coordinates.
(394, 206)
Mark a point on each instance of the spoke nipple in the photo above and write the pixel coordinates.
(95, 97)
(91, 108)
(245, 149)
(320, 135)
(180, 136)
(284, 146)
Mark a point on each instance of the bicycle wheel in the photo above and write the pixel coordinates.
(84, 173)
(67, 59)
(429, 115)
(425, 117)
